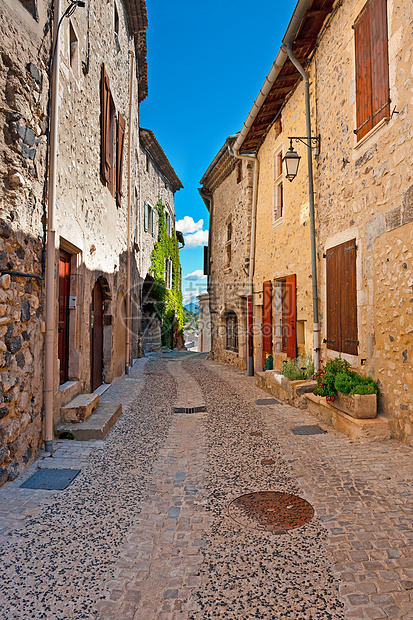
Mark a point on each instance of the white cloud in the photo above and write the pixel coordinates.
(195, 276)
(187, 225)
(200, 237)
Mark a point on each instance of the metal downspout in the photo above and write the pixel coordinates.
(128, 252)
(250, 321)
(51, 239)
(288, 45)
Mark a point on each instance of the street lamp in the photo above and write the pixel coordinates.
(292, 159)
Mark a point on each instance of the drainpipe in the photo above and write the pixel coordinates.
(128, 253)
(288, 46)
(250, 320)
(51, 238)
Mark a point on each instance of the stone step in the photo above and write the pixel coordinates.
(97, 426)
(80, 408)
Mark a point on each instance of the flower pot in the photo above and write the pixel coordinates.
(362, 406)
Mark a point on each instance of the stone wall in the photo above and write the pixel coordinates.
(232, 196)
(24, 61)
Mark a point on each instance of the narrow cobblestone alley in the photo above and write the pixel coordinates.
(146, 530)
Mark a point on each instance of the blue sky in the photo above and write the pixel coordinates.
(206, 64)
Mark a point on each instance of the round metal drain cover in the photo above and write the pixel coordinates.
(270, 511)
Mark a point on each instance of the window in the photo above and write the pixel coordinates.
(115, 19)
(147, 216)
(73, 50)
(372, 66)
(278, 199)
(286, 315)
(153, 222)
(239, 171)
(168, 273)
(147, 162)
(342, 298)
(31, 6)
(168, 222)
(112, 141)
(120, 143)
(228, 244)
(231, 331)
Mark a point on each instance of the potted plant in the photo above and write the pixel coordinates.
(346, 390)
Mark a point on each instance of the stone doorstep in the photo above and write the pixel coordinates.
(376, 429)
(97, 426)
(80, 408)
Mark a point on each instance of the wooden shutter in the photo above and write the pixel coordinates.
(146, 217)
(363, 72)
(104, 126)
(291, 298)
(267, 317)
(120, 142)
(348, 297)
(379, 61)
(333, 299)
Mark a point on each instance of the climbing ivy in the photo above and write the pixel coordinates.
(169, 301)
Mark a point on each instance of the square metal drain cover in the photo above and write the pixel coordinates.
(308, 430)
(267, 401)
(50, 479)
(189, 409)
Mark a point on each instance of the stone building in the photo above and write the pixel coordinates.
(357, 57)
(24, 84)
(227, 193)
(157, 181)
(102, 79)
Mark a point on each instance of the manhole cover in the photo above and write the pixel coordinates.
(270, 511)
(308, 430)
(267, 401)
(267, 462)
(256, 434)
(50, 479)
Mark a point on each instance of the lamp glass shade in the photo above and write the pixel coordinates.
(291, 162)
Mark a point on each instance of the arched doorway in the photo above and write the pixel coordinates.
(96, 337)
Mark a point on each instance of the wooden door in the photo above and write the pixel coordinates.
(291, 302)
(63, 322)
(96, 348)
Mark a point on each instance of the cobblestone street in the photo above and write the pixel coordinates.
(145, 531)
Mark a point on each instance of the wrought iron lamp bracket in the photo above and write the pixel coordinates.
(316, 140)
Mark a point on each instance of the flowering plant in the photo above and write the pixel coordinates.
(336, 376)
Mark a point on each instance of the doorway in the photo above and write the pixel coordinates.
(63, 322)
(96, 342)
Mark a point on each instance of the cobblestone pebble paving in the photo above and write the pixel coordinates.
(56, 566)
(363, 495)
(248, 574)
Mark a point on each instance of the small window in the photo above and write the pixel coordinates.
(146, 216)
(278, 200)
(31, 6)
(115, 19)
(239, 171)
(168, 273)
(228, 244)
(73, 50)
(153, 215)
(147, 162)
(232, 332)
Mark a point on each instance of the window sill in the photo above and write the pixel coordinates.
(371, 133)
(278, 222)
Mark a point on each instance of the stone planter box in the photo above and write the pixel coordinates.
(360, 406)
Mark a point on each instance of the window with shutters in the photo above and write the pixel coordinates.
(372, 66)
(231, 329)
(112, 141)
(278, 198)
(341, 292)
(153, 222)
(286, 315)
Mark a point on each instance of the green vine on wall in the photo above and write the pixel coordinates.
(169, 301)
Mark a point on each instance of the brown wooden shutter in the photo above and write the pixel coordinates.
(120, 142)
(267, 317)
(333, 299)
(363, 72)
(104, 124)
(379, 61)
(348, 297)
(291, 299)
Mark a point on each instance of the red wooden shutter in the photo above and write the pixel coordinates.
(291, 299)
(104, 124)
(379, 61)
(267, 317)
(363, 72)
(119, 158)
(333, 299)
(348, 297)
